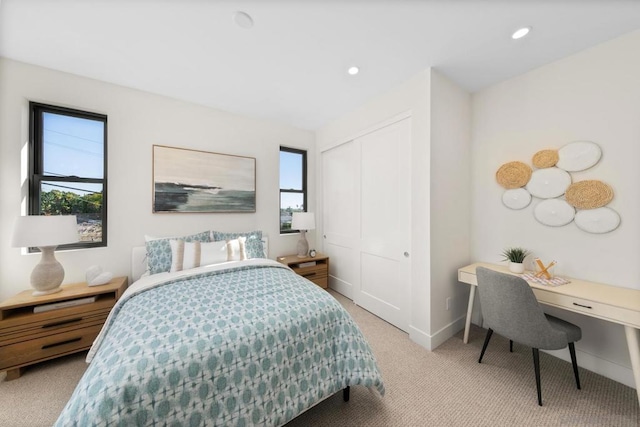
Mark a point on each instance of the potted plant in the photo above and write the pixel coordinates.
(516, 257)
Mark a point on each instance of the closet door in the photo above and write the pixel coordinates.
(340, 178)
(385, 223)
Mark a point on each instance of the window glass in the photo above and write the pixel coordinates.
(291, 170)
(68, 169)
(73, 146)
(293, 185)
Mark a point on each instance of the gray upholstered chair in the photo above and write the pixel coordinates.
(510, 308)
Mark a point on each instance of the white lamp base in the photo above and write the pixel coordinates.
(303, 245)
(47, 276)
(52, 291)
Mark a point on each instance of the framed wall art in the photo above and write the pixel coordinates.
(187, 180)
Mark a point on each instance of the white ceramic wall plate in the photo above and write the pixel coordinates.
(600, 220)
(554, 212)
(578, 156)
(518, 198)
(548, 183)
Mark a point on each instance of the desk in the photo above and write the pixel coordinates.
(606, 302)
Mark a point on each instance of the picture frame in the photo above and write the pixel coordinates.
(196, 181)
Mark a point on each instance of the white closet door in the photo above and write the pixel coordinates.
(340, 178)
(385, 223)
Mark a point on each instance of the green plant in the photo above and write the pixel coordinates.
(515, 254)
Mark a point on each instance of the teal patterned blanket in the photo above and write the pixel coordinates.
(253, 344)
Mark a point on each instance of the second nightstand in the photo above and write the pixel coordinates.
(315, 269)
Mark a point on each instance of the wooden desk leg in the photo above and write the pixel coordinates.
(467, 322)
(633, 342)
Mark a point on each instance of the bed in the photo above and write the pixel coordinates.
(236, 343)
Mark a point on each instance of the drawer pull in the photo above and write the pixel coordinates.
(308, 274)
(64, 322)
(580, 305)
(44, 347)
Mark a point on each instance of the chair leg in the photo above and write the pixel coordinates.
(486, 343)
(574, 362)
(510, 346)
(536, 367)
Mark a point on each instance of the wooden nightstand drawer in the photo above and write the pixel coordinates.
(311, 272)
(35, 350)
(53, 327)
(27, 321)
(315, 268)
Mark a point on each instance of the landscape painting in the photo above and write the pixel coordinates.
(200, 181)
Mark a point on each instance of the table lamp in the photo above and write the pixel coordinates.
(46, 232)
(303, 221)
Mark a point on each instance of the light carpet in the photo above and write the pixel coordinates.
(445, 387)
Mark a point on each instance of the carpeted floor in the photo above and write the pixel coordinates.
(446, 387)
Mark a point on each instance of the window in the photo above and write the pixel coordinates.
(293, 185)
(68, 169)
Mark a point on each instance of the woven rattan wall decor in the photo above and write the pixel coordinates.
(561, 201)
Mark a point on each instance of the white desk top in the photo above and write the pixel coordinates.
(597, 292)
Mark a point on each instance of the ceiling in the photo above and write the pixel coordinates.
(291, 66)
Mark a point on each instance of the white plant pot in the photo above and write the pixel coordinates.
(516, 267)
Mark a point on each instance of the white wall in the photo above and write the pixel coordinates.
(414, 96)
(595, 96)
(450, 159)
(136, 121)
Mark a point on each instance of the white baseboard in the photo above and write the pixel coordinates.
(604, 367)
(342, 287)
(431, 342)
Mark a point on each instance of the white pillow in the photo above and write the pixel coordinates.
(236, 250)
(188, 255)
(213, 253)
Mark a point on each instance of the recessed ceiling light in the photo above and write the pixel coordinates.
(520, 33)
(353, 70)
(243, 19)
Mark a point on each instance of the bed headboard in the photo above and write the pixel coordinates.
(139, 259)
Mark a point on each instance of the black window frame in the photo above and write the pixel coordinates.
(36, 167)
(303, 191)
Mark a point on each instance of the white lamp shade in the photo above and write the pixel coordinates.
(45, 230)
(303, 221)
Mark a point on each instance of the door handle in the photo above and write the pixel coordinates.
(406, 254)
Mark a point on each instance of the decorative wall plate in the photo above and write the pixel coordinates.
(554, 212)
(545, 159)
(513, 175)
(590, 194)
(518, 198)
(578, 156)
(600, 220)
(549, 183)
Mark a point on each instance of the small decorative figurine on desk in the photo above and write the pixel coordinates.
(542, 271)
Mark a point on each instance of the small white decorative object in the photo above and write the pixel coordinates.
(554, 212)
(96, 277)
(549, 183)
(578, 156)
(600, 220)
(518, 198)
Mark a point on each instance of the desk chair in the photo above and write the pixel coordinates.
(510, 308)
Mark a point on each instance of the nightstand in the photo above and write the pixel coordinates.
(315, 269)
(28, 337)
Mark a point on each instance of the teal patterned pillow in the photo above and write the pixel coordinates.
(253, 245)
(159, 250)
